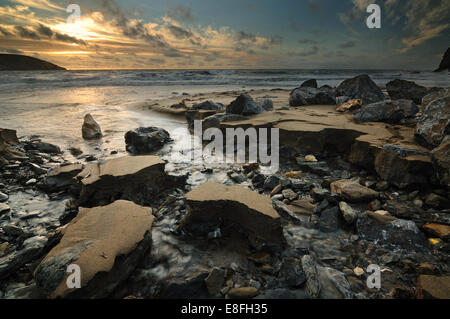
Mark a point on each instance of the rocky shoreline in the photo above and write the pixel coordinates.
(364, 180)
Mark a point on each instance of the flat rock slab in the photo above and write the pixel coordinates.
(254, 212)
(319, 128)
(434, 287)
(126, 175)
(94, 240)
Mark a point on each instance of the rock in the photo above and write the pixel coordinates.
(437, 201)
(192, 287)
(244, 105)
(266, 104)
(435, 95)
(4, 208)
(293, 174)
(441, 161)
(243, 293)
(318, 168)
(403, 151)
(361, 87)
(208, 105)
(31, 250)
(309, 83)
(437, 230)
(393, 234)
(90, 129)
(291, 272)
(401, 89)
(386, 111)
(3, 197)
(434, 124)
(353, 192)
(350, 105)
(260, 258)
(211, 202)
(329, 220)
(333, 284)
(375, 205)
(47, 148)
(217, 119)
(271, 182)
(200, 115)
(93, 241)
(433, 287)
(145, 140)
(289, 194)
(31, 181)
(310, 158)
(61, 177)
(312, 96)
(349, 214)
(381, 216)
(312, 276)
(358, 271)
(215, 280)
(302, 206)
(445, 63)
(126, 176)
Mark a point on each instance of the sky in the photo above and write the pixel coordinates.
(228, 34)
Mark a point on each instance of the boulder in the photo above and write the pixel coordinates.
(386, 111)
(434, 124)
(244, 105)
(207, 105)
(433, 287)
(105, 242)
(90, 129)
(312, 96)
(309, 83)
(441, 161)
(401, 89)
(394, 234)
(353, 191)
(145, 140)
(122, 177)
(361, 87)
(211, 202)
(445, 63)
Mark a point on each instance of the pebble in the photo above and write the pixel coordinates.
(4, 208)
(3, 197)
(310, 158)
(358, 271)
(31, 182)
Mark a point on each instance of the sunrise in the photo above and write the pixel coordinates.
(224, 158)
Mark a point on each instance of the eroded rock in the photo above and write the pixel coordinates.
(90, 129)
(306, 95)
(105, 242)
(401, 89)
(361, 87)
(211, 202)
(146, 140)
(244, 105)
(441, 161)
(386, 111)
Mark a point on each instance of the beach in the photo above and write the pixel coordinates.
(354, 188)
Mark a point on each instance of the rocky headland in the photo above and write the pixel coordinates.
(16, 62)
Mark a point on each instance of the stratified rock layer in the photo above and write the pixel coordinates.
(252, 211)
(105, 242)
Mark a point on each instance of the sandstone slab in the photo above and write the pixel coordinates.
(105, 242)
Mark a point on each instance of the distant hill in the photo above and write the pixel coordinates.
(445, 64)
(15, 62)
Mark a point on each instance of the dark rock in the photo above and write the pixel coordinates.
(386, 111)
(244, 105)
(401, 89)
(441, 161)
(17, 62)
(47, 148)
(445, 63)
(271, 182)
(437, 201)
(215, 280)
(279, 293)
(145, 140)
(309, 83)
(329, 220)
(208, 105)
(3, 197)
(216, 119)
(191, 287)
(266, 104)
(312, 276)
(291, 272)
(361, 87)
(398, 233)
(90, 129)
(434, 124)
(61, 178)
(312, 96)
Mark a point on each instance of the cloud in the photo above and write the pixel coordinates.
(181, 13)
(27, 33)
(312, 51)
(345, 45)
(179, 32)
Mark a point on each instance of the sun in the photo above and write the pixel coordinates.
(84, 29)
